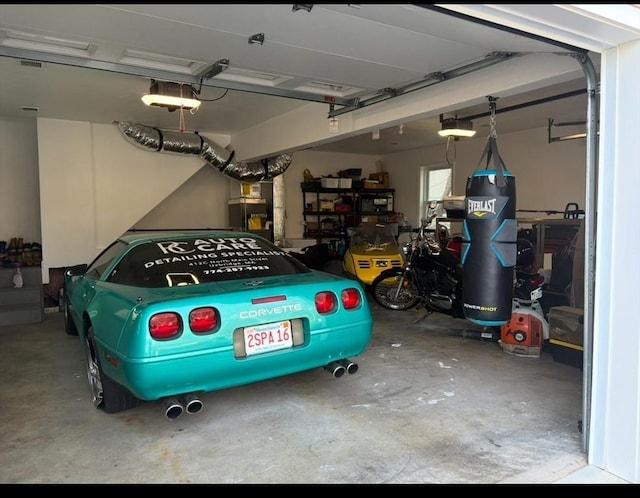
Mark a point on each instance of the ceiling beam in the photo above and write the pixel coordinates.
(156, 74)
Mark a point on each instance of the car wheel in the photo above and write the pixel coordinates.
(107, 394)
(69, 325)
(394, 292)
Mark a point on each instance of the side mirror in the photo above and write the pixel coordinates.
(77, 270)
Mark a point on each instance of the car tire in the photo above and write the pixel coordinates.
(107, 394)
(69, 325)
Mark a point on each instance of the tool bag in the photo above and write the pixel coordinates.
(315, 257)
(489, 245)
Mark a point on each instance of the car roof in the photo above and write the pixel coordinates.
(136, 236)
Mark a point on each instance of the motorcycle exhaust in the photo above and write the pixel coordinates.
(349, 366)
(172, 408)
(192, 404)
(336, 369)
(440, 301)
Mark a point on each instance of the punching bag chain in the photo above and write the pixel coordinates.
(492, 119)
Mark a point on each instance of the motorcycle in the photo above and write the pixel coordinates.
(432, 276)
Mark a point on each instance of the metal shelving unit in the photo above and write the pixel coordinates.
(318, 206)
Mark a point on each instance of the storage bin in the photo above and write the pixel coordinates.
(454, 205)
(566, 324)
(567, 353)
(327, 204)
(344, 182)
(329, 182)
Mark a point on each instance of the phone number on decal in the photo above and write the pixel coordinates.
(233, 269)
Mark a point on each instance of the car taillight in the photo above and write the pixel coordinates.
(165, 326)
(350, 298)
(203, 320)
(326, 302)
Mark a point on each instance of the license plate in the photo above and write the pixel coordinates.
(268, 337)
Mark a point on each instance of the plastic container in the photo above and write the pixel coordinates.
(354, 173)
(18, 281)
(567, 353)
(329, 182)
(344, 182)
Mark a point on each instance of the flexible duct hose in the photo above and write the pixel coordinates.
(221, 158)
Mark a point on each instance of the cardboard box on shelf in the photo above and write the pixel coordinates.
(252, 190)
(382, 179)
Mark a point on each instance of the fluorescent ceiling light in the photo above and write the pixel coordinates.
(457, 128)
(171, 95)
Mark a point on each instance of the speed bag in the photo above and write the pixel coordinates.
(489, 247)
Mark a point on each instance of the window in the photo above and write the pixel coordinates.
(436, 182)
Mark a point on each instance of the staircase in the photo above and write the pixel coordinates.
(23, 305)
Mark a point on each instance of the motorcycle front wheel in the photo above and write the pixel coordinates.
(395, 292)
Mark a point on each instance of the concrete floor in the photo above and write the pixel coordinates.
(426, 406)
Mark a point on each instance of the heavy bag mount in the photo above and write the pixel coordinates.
(489, 245)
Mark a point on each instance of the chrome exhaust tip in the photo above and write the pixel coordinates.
(335, 369)
(172, 408)
(349, 366)
(192, 404)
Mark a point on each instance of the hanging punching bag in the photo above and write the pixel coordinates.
(489, 245)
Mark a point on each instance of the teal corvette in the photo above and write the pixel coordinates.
(165, 316)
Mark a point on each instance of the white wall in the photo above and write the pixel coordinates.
(548, 176)
(19, 188)
(95, 185)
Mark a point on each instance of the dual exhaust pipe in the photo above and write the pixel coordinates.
(174, 407)
(339, 367)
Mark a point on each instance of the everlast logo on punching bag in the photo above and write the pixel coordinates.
(479, 207)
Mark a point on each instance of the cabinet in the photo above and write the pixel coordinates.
(328, 212)
(23, 305)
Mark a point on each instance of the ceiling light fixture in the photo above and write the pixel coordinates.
(456, 128)
(171, 96)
